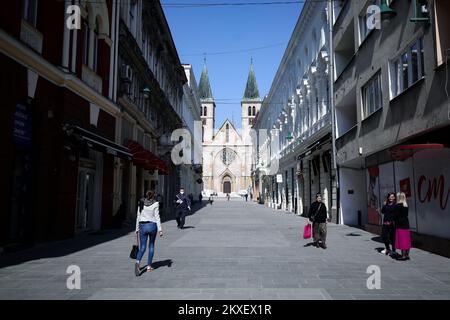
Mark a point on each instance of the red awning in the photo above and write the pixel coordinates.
(403, 152)
(146, 159)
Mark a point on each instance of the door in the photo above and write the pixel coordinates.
(21, 210)
(227, 187)
(85, 200)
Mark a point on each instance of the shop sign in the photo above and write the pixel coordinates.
(22, 126)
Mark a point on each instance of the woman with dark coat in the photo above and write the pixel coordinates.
(388, 228)
(402, 233)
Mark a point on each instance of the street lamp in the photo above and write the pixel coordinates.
(146, 91)
(386, 12)
(289, 136)
(424, 15)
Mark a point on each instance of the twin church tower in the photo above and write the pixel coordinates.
(250, 104)
(227, 154)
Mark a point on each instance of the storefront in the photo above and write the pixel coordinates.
(418, 167)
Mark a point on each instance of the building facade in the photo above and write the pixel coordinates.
(87, 115)
(58, 120)
(227, 153)
(294, 160)
(392, 114)
(191, 172)
(150, 95)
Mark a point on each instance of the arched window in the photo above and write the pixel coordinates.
(205, 111)
(227, 129)
(249, 111)
(254, 111)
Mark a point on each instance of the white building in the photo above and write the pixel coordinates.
(190, 174)
(297, 109)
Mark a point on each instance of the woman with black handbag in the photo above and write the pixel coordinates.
(148, 224)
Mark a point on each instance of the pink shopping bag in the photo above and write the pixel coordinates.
(307, 231)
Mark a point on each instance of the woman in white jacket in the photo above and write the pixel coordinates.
(148, 224)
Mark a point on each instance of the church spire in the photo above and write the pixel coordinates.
(204, 86)
(251, 89)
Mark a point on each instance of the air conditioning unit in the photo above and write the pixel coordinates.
(126, 73)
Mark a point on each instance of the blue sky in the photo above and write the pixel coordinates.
(218, 29)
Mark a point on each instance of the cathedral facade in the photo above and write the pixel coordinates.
(227, 151)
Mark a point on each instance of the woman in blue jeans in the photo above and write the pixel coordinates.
(148, 224)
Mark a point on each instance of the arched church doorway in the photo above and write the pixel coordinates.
(226, 184)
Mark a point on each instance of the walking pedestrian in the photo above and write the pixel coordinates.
(210, 199)
(402, 232)
(148, 224)
(200, 198)
(183, 205)
(228, 196)
(388, 228)
(246, 197)
(319, 217)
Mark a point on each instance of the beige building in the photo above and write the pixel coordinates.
(227, 153)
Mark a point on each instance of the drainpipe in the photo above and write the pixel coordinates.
(332, 105)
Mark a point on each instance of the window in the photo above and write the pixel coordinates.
(133, 16)
(249, 111)
(372, 96)
(85, 42)
(95, 48)
(442, 27)
(205, 111)
(30, 8)
(254, 111)
(228, 156)
(227, 133)
(407, 69)
(366, 19)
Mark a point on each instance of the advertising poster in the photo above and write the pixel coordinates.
(432, 184)
(373, 195)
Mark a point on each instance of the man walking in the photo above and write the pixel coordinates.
(183, 205)
(246, 197)
(318, 216)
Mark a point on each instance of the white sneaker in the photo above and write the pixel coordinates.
(384, 251)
